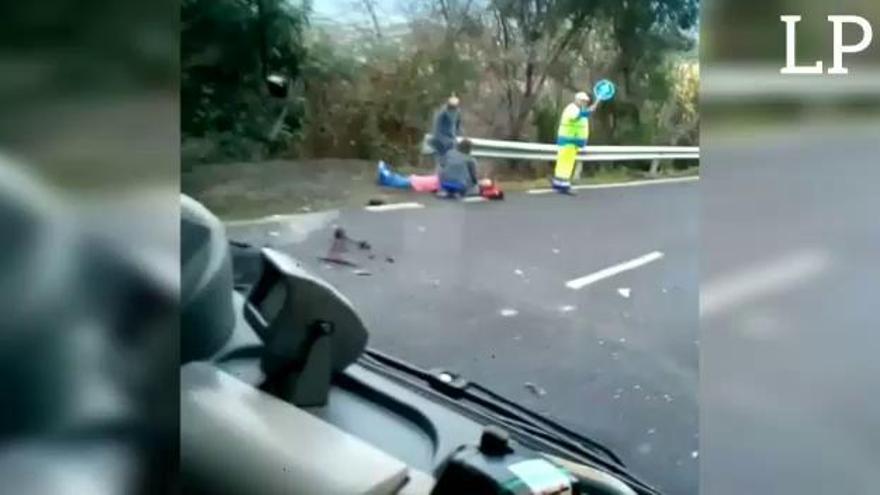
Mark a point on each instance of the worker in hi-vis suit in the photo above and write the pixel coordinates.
(573, 133)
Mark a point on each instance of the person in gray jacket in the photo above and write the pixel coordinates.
(458, 171)
(446, 128)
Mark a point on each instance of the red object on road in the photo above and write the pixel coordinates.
(490, 190)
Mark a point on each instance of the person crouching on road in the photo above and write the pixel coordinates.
(573, 133)
(446, 129)
(458, 173)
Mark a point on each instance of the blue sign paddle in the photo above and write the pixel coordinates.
(604, 90)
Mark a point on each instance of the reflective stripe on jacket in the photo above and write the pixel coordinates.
(574, 126)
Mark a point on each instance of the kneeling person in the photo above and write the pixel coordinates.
(458, 171)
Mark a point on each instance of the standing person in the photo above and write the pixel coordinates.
(458, 177)
(446, 129)
(573, 133)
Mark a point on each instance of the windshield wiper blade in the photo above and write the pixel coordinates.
(514, 416)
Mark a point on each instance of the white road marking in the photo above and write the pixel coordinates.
(473, 199)
(719, 296)
(580, 283)
(394, 206)
(615, 185)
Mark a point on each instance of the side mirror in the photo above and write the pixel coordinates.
(277, 85)
(309, 329)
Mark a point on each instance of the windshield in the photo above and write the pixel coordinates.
(503, 189)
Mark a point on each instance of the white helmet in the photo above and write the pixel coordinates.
(581, 96)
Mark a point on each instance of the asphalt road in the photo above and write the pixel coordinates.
(481, 289)
(790, 238)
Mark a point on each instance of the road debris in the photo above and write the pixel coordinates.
(508, 312)
(338, 261)
(362, 273)
(624, 292)
(519, 272)
(538, 391)
(389, 259)
(375, 202)
(340, 244)
(273, 233)
(567, 308)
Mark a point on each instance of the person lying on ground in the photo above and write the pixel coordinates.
(418, 183)
(387, 177)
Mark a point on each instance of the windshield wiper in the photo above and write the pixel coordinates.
(479, 400)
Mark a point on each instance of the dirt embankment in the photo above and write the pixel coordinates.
(245, 190)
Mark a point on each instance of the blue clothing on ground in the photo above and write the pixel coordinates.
(388, 178)
(454, 188)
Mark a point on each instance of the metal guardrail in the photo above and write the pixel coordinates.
(519, 150)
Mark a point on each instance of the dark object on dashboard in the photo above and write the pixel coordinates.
(494, 441)
(309, 329)
(497, 466)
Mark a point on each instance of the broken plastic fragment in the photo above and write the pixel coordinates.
(531, 387)
(624, 292)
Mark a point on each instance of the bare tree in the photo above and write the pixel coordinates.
(370, 7)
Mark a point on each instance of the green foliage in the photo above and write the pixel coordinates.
(515, 63)
(546, 120)
(227, 49)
